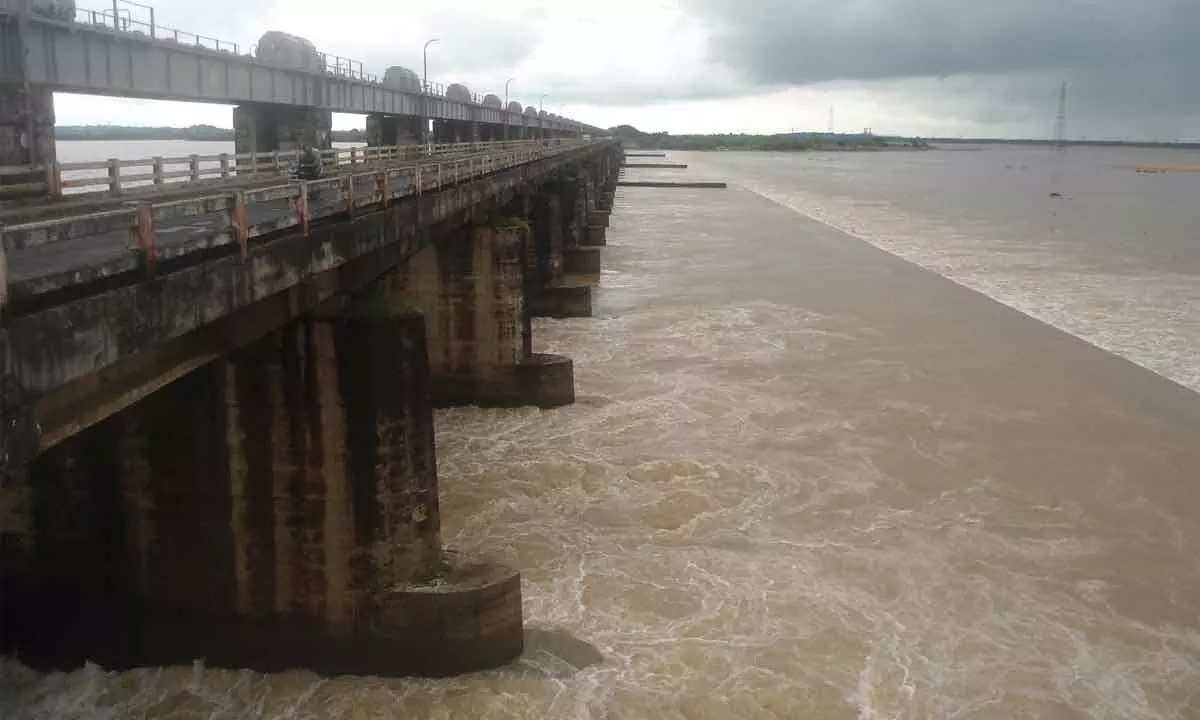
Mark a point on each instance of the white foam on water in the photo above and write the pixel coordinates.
(1151, 317)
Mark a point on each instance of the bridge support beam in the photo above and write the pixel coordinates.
(26, 138)
(471, 288)
(275, 510)
(262, 128)
(455, 131)
(389, 130)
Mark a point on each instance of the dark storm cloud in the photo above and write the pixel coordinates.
(807, 41)
(1133, 65)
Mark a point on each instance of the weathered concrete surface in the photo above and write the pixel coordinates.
(568, 300)
(661, 166)
(261, 127)
(596, 237)
(471, 289)
(26, 134)
(582, 261)
(672, 184)
(549, 293)
(274, 510)
(599, 218)
(390, 130)
(78, 336)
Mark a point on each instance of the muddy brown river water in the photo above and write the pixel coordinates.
(807, 478)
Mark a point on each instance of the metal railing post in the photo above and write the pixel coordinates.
(114, 176)
(194, 167)
(54, 179)
(157, 166)
(224, 165)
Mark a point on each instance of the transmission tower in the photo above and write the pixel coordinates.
(1060, 122)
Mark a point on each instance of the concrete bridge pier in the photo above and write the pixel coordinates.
(260, 128)
(26, 135)
(273, 510)
(551, 293)
(455, 131)
(389, 130)
(471, 289)
(491, 132)
(603, 175)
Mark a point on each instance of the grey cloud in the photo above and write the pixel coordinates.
(806, 41)
(240, 21)
(471, 43)
(1132, 65)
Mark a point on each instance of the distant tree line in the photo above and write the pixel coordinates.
(195, 133)
(792, 142)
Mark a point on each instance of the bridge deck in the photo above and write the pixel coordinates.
(90, 241)
(135, 58)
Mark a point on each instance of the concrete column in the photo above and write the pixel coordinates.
(591, 233)
(391, 130)
(274, 510)
(260, 128)
(471, 287)
(552, 293)
(26, 137)
(448, 131)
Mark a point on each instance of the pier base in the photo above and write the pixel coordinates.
(582, 261)
(471, 289)
(596, 237)
(563, 301)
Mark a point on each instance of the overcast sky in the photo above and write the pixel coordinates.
(913, 67)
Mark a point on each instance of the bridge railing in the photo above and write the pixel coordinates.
(119, 177)
(120, 18)
(294, 204)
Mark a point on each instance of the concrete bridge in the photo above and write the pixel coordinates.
(216, 402)
(284, 89)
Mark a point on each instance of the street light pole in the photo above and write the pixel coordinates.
(541, 117)
(425, 87)
(506, 84)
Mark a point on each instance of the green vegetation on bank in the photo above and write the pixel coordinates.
(195, 133)
(789, 142)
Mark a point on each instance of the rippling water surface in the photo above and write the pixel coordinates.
(805, 479)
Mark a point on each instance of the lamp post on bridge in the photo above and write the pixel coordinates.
(506, 84)
(541, 117)
(425, 86)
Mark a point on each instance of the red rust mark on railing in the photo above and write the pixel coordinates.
(143, 233)
(241, 231)
(381, 183)
(302, 207)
